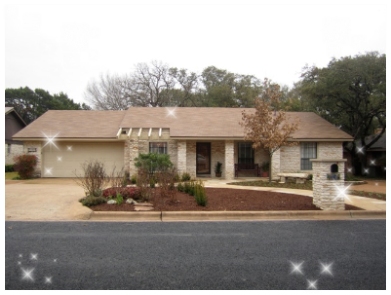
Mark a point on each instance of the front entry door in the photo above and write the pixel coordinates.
(203, 157)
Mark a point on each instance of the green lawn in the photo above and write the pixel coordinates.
(11, 175)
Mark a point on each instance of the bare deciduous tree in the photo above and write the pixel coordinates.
(151, 84)
(109, 93)
(267, 128)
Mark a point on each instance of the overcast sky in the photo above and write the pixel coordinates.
(63, 47)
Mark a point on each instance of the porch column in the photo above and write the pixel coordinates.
(181, 157)
(133, 151)
(276, 163)
(229, 160)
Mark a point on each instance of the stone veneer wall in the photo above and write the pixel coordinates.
(182, 156)
(15, 149)
(217, 155)
(38, 146)
(136, 145)
(229, 162)
(330, 150)
(326, 192)
(276, 163)
(290, 156)
(191, 158)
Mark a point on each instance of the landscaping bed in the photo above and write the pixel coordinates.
(222, 199)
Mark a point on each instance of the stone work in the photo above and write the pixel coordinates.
(229, 169)
(182, 155)
(191, 158)
(12, 150)
(330, 150)
(275, 164)
(290, 159)
(217, 154)
(326, 192)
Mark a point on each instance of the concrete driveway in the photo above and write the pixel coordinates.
(44, 199)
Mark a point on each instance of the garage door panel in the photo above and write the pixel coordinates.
(66, 158)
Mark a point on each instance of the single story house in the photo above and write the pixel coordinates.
(195, 138)
(13, 124)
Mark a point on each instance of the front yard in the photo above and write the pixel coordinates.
(354, 189)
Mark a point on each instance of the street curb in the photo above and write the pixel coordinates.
(127, 216)
(234, 215)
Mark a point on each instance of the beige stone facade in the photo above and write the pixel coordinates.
(12, 150)
(183, 152)
(328, 193)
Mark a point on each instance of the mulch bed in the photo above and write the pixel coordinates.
(222, 199)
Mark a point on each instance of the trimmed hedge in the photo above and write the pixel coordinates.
(9, 168)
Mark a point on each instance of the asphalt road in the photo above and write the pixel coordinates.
(204, 255)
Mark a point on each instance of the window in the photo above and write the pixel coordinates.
(158, 147)
(8, 149)
(307, 152)
(246, 153)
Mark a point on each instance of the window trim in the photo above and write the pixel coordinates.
(305, 162)
(252, 153)
(155, 145)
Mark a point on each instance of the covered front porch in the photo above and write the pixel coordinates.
(199, 158)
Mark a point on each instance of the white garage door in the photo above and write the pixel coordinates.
(65, 158)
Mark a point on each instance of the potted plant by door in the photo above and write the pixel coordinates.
(265, 169)
(218, 169)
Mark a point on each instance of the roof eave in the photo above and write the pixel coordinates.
(68, 139)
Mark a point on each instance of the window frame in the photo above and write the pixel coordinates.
(251, 159)
(307, 153)
(158, 147)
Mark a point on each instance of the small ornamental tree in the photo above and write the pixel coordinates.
(25, 165)
(268, 128)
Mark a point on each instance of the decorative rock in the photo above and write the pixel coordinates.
(131, 201)
(111, 202)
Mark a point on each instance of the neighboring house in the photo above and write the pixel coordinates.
(13, 124)
(373, 158)
(195, 138)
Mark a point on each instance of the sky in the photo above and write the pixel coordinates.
(61, 46)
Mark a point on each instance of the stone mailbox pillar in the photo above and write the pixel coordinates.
(327, 181)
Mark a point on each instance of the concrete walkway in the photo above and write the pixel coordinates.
(57, 199)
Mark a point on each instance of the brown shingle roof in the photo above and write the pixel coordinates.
(74, 124)
(222, 122)
(183, 123)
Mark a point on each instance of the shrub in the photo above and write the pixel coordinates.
(153, 162)
(9, 168)
(189, 187)
(185, 176)
(133, 179)
(25, 165)
(180, 187)
(200, 194)
(120, 199)
(94, 178)
(92, 201)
